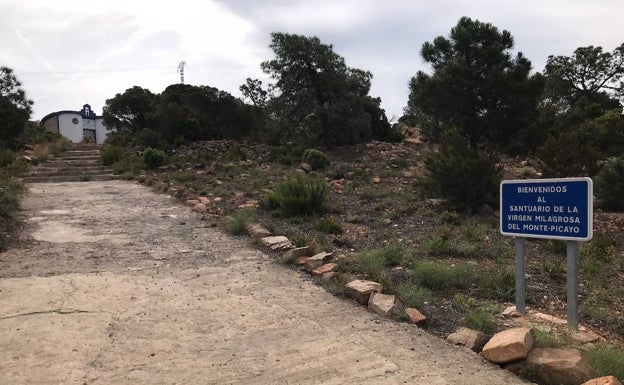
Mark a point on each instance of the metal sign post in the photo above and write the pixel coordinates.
(520, 275)
(551, 209)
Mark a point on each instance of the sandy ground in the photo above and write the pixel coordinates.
(117, 285)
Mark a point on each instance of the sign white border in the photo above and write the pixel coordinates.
(590, 208)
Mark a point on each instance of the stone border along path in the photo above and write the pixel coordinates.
(118, 285)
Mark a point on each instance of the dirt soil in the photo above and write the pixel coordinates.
(113, 284)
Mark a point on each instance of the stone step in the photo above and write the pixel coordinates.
(76, 171)
(77, 157)
(80, 163)
(73, 178)
(48, 167)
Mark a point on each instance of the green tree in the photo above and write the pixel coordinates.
(129, 112)
(590, 74)
(476, 85)
(15, 109)
(252, 90)
(316, 97)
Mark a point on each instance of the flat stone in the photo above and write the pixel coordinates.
(386, 305)
(585, 337)
(549, 318)
(305, 167)
(204, 200)
(472, 339)
(302, 260)
(273, 240)
(257, 231)
(607, 380)
(376, 180)
(360, 290)
(284, 245)
(511, 312)
(509, 345)
(559, 366)
(192, 202)
(317, 260)
(298, 252)
(415, 316)
(326, 268)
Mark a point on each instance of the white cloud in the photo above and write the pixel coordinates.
(71, 52)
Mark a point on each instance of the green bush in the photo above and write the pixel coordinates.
(328, 225)
(610, 185)
(413, 295)
(6, 157)
(237, 223)
(438, 276)
(463, 174)
(568, 155)
(477, 316)
(300, 195)
(315, 158)
(111, 154)
(153, 158)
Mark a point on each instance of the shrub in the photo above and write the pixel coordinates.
(328, 225)
(477, 316)
(610, 185)
(236, 153)
(110, 155)
(6, 157)
(237, 223)
(300, 195)
(438, 276)
(463, 174)
(606, 360)
(153, 158)
(413, 295)
(315, 158)
(568, 155)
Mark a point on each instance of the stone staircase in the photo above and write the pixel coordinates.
(81, 163)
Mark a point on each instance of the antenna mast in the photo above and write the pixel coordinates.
(181, 70)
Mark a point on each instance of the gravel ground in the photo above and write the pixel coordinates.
(113, 284)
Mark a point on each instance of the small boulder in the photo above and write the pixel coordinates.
(511, 312)
(302, 260)
(330, 276)
(189, 202)
(559, 366)
(608, 380)
(305, 167)
(509, 345)
(361, 290)
(415, 316)
(257, 231)
(326, 268)
(200, 208)
(469, 338)
(386, 305)
(376, 180)
(204, 200)
(284, 245)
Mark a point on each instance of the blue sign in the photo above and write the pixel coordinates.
(547, 208)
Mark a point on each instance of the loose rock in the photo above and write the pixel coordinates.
(415, 316)
(608, 380)
(560, 366)
(326, 268)
(469, 338)
(509, 345)
(386, 305)
(361, 290)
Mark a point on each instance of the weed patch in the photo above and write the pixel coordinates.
(237, 222)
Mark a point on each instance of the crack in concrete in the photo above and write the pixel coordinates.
(57, 311)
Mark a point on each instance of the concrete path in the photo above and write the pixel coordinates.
(117, 285)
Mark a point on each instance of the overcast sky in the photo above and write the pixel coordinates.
(71, 52)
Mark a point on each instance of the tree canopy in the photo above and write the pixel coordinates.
(15, 109)
(316, 97)
(476, 85)
(590, 74)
